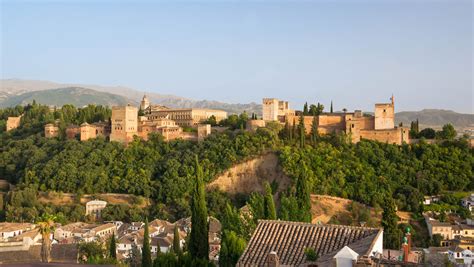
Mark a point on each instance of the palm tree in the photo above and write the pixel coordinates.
(46, 227)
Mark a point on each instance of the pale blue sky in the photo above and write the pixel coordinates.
(353, 52)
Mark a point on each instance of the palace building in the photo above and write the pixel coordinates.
(125, 124)
(184, 117)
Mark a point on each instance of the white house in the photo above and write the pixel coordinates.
(8, 230)
(461, 256)
(95, 208)
(468, 202)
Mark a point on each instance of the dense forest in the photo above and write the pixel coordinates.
(367, 172)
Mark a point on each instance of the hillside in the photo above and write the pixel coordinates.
(9, 88)
(330, 209)
(249, 176)
(435, 117)
(77, 96)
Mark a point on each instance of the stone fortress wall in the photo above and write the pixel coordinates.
(380, 127)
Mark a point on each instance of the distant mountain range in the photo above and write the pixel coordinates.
(16, 87)
(76, 96)
(435, 118)
(16, 91)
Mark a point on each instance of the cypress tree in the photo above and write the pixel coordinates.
(176, 243)
(314, 130)
(287, 133)
(270, 211)
(293, 129)
(113, 247)
(302, 131)
(232, 247)
(198, 241)
(305, 109)
(303, 194)
(146, 250)
(389, 223)
(331, 107)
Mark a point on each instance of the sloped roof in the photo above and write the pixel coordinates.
(289, 240)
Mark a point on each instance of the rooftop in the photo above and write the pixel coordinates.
(9, 227)
(290, 239)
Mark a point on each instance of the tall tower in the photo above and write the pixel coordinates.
(385, 115)
(270, 109)
(145, 103)
(124, 123)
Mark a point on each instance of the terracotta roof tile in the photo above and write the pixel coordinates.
(289, 240)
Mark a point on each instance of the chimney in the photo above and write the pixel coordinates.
(273, 260)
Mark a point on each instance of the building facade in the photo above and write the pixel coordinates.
(13, 123)
(186, 117)
(94, 130)
(380, 127)
(275, 110)
(95, 207)
(51, 130)
(124, 123)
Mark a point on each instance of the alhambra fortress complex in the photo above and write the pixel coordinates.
(126, 123)
(380, 127)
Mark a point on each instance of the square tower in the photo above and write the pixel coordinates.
(385, 116)
(124, 123)
(270, 109)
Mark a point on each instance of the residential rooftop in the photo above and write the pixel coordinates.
(290, 239)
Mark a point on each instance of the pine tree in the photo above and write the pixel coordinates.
(331, 107)
(113, 247)
(176, 241)
(303, 194)
(198, 242)
(146, 250)
(305, 109)
(389, 223)
(270, 211)
(302, 131)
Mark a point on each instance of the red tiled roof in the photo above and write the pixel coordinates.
(289, 240)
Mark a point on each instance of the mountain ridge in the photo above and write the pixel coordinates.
(17, 91)
(11, 87)
(77, 96)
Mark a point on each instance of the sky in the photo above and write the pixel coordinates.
(353, 52)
